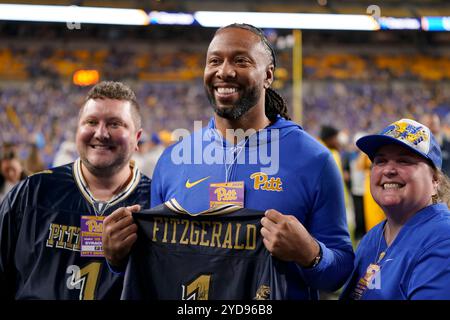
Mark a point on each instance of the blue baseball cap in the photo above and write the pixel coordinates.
(407, 133)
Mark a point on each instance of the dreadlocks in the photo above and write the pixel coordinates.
(274, 103)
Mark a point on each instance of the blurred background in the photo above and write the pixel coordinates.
(339, 84)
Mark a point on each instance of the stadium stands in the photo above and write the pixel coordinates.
(352, 85)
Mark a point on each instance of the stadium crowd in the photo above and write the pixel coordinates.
(354, 93)
(350, 106)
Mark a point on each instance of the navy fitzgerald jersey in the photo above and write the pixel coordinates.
(40, 237)
(215, 255)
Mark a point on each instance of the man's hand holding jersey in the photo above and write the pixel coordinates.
(287, 239)
(119, 235)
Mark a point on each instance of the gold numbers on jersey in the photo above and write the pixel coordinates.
(198, 289)
(84, 279)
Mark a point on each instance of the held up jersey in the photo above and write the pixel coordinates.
(214, 255)
(40, 237)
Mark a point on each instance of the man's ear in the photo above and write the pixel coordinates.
(138, 137)
(269, 76)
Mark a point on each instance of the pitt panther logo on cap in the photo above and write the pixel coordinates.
(411, 133)
(262, 182)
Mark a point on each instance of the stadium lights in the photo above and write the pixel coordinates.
(100, 15)
(389, 23)
(86, 77)
(71, 14)
(288, 20)
(436, 23)
(161, 17)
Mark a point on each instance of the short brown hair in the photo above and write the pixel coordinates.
(118, 91)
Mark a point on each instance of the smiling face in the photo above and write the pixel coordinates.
(237, 71)
(401, 181)
(106, 135)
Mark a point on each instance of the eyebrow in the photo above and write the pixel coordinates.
(234, 52)
(113, 118)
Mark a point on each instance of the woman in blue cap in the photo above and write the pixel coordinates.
(407, 256)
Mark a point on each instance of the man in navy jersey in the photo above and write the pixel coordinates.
(51, 223)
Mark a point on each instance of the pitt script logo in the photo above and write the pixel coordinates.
(94, 226)
(225, 195)
(262, 182)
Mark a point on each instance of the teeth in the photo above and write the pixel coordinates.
(226, 90)
(391, 186)
(101, 147)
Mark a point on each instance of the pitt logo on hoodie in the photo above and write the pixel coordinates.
(261, 181)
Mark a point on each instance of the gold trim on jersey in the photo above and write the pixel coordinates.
(173, 205)
(83, 187)
(41, 172)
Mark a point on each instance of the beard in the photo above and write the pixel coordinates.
(105, 168)
(245, 102)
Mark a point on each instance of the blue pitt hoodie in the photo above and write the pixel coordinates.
(283, 168)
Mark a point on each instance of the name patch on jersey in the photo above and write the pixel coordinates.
(261, 181)
(217, 234)
(63, 237)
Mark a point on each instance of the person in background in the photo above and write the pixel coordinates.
(331, 138)
(357, 177)
(433, 122)
(66, 153)
(150, 149)
(34, 162)
(12, 172)
(373, 214)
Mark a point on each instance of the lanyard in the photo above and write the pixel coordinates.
(236, 152)
(235, 149)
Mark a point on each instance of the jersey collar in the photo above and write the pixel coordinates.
(101, 206)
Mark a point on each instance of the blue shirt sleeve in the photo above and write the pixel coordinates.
(120, 271)
(430, 278)
(328, 225)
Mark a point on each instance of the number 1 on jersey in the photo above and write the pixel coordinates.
(84, 279)
(197, 289)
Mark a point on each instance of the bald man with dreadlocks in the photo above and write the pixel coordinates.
(300, 195)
